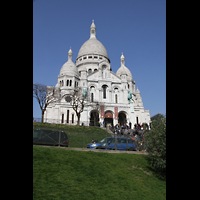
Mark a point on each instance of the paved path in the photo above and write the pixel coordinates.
(98, 150)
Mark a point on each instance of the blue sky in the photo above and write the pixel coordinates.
(135, 27)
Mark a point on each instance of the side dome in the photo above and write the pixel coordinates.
(92, 46)
(69, 68)
(123, 70)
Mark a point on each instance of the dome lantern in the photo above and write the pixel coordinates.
(92, 30)
(70, 53)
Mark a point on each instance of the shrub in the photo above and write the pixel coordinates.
(156, 145)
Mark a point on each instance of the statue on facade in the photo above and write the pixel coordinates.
(130, 99)
(85, 92)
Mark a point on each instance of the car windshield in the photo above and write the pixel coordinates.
(106, 140)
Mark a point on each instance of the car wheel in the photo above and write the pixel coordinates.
(131, 149)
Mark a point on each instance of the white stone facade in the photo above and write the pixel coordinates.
(110, 91)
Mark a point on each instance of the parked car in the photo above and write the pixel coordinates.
(44, 136)
(123, 144)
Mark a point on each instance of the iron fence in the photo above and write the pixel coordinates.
(81, 139)
(59, 121)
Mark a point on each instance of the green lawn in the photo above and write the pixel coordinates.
(67, 174)
(79, 136)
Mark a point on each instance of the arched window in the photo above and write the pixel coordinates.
(89, 71)
(104, 91)
(70, 83)
(67, 83)
(92, 97)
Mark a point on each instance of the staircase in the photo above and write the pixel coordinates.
(108, 130)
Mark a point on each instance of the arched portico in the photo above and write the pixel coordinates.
(108, 118)
(122, 119)
(94, 118)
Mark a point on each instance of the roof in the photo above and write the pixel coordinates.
(124, 70)
(92, 46)
(69, 68)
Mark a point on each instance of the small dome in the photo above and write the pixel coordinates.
(69, 68)
(124, 70)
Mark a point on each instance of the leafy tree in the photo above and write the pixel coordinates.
(156, 145)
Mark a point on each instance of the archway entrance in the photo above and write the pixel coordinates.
(94, 118)
(122, 118)
(108, 118)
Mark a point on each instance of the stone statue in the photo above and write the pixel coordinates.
(130, 99)
(84, 92)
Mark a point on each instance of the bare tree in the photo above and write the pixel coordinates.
(78, 102)
(45, 95)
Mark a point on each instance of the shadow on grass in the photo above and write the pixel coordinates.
(160, 175)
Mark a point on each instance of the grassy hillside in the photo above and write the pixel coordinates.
(66, 174)
(71, 127)
(79, 136)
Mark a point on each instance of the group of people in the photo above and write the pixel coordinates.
(126, 128)
(136, 134)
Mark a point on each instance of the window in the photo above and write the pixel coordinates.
(92, 97)
(89, 71)
(104, 91)
(72, 118)
(89, 56)
(68, 99)
(67, 82)
(62, 119)
(116, 98)
(67, 116)
(95, 56)
(70, 83)
(95, 70)
(62, 82)
(75, 84)
(79, 73)
(84, 58)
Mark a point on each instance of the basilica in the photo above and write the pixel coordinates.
(111, 98)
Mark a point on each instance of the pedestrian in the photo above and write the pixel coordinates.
(130, 125)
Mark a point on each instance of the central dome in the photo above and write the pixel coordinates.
(93, 46)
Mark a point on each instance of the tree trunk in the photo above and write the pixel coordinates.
(42, 120)
(78, 122)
